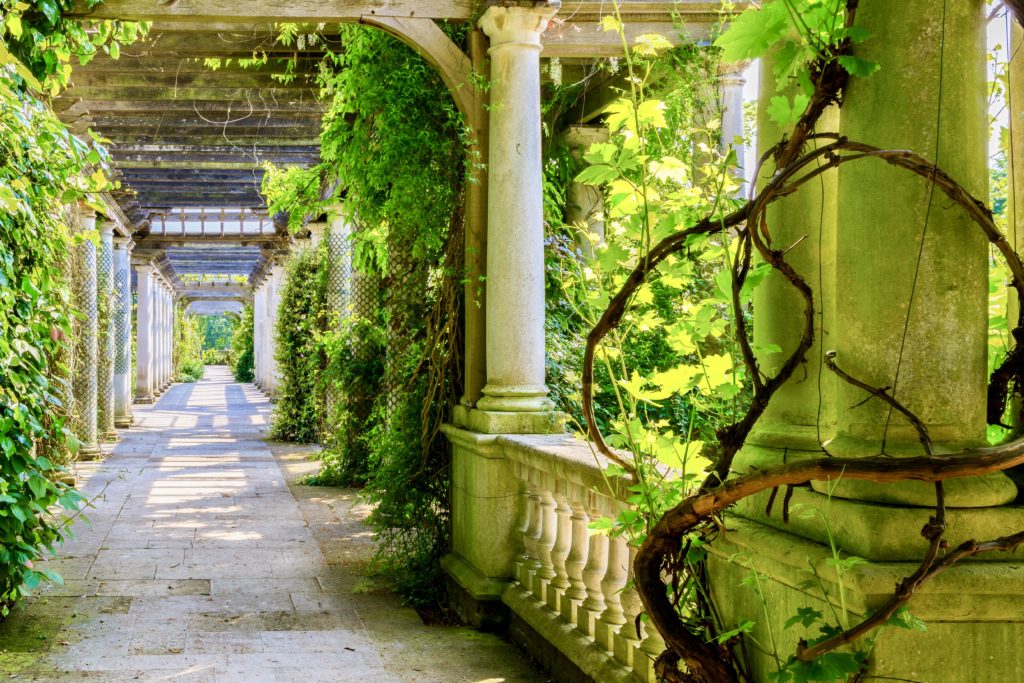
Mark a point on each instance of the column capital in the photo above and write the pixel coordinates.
(731, 73)
(106, 227)
(146, 267)
(125, 243)
(518, 25)
(580, 136)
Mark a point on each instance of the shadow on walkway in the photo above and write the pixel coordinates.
(200, 565)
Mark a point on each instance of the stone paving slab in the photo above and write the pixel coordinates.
(205, 562)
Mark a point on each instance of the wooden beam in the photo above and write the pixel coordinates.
(186, 164)
(241, 98)
(202, 12)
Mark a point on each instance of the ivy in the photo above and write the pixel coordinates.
(243, 353)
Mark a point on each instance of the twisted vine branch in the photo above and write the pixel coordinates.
(706, 661)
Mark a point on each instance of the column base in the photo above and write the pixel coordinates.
(989, 491)
(124, 422)
(973, 612)
(146, 399)
(501, 422)
(90, 452)
(110, 437)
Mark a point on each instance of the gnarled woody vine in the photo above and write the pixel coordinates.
(661, 551)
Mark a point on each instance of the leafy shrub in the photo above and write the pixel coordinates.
(216, 356)
(301, 320)
(243, 366)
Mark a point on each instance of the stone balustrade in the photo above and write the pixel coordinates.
(567, 584)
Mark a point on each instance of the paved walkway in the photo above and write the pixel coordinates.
(205, 563)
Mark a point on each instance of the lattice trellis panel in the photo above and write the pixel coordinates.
(122, 323)
(84, 374)
(403, 299)
(105, 338)
(339, 273)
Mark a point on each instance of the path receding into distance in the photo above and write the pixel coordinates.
(204, 562)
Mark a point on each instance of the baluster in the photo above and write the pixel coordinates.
(546, 543)
(522, 529)
(651, 648)
(627, 640)
(560, 552)
(593, 573)
(614, 580)
(531, 540)
(575, 563)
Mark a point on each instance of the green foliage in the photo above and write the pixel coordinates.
(800, 32)
(40, 42)
(395, 143)
(354, 376)
(188, 348)
(301, 320)
(216, 357)
(242, 340)
(42, 169)
(217, 330)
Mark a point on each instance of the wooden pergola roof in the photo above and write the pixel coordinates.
(188, 141)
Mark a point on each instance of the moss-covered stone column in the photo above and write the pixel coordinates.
(585, 203)
(911, 268)
(800, 415)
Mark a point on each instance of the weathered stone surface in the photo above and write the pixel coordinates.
(206, 562)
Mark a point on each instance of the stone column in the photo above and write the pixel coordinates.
(275, 283)
(145, 332)
(105, 358)
(87, 345)
(585, 203)
(730, 89)
(121, 312)
(159, 330)
(317, 232)
(339, 255)
(801, 414)
(911, 266)
(515, 240)
(259, 325)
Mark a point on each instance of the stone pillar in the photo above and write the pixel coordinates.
(1015, 166)
(339, 255)
(475, 305)
(886, 219)
(585, 203)
(105, 358)
(145, 333)
(122, 317)
(317, 231)
(915, 316)
(801, 415)
(730, 89)
(87, 345)
(159, 333)
(515, 242)
(274, 285)
(258, 308)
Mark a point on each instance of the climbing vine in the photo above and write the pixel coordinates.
(242, 340)
(43, 170)
(654, 202)
(302, 320)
